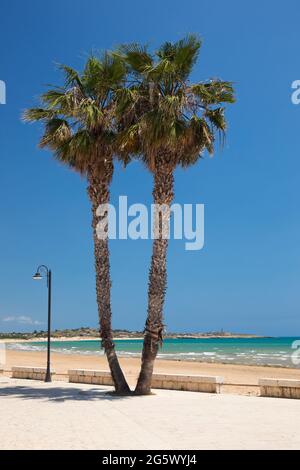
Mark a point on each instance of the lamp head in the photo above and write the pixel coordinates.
(37, 276)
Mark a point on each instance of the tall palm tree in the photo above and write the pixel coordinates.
(79, 129)
(167, 121)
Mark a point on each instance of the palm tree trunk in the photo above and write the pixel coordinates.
(98, 191)
(163, 194)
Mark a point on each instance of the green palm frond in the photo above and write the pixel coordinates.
(217, 118)
(57, 132)
(64, 102)
(167, 112)
(72, 77)
(180, 56)
(90, 114)
(79, 117)
(133, 103)
(103, 74)
(125, 98)
(38, 114)
(214, 92)
(136, 56)
(114, 70)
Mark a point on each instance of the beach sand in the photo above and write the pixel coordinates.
(239, 379)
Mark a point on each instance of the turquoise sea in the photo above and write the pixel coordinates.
(283, 351)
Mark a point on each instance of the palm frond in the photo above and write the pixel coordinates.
(57, 132)
(136, 56)
(214, 92)
(103, 74)
(182, 55)
(38, 114)
(79, 117)
(72, 77)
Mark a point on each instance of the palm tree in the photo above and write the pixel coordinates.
(168, 122)
(79, 129)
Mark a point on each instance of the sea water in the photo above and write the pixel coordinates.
(253, 351)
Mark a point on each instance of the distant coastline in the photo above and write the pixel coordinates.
(84, 334)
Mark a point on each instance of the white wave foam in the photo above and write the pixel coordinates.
(240, 356)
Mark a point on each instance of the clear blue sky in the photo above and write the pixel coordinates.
(246, 278)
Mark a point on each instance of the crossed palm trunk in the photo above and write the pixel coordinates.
(99, 193)
(163, 194)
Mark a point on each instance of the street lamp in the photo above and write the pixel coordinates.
(43, 270)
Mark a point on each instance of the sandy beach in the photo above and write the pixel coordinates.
(239, 379)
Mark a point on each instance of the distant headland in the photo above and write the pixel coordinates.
(93, 333)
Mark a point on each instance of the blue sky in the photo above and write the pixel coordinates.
(246, 279)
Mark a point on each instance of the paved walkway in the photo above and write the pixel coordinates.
(35, 415)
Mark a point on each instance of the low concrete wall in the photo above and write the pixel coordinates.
(279, 388)
(33, 373)
(97, 377)
(192, 383)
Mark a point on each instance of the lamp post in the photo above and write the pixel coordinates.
(42, 269)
